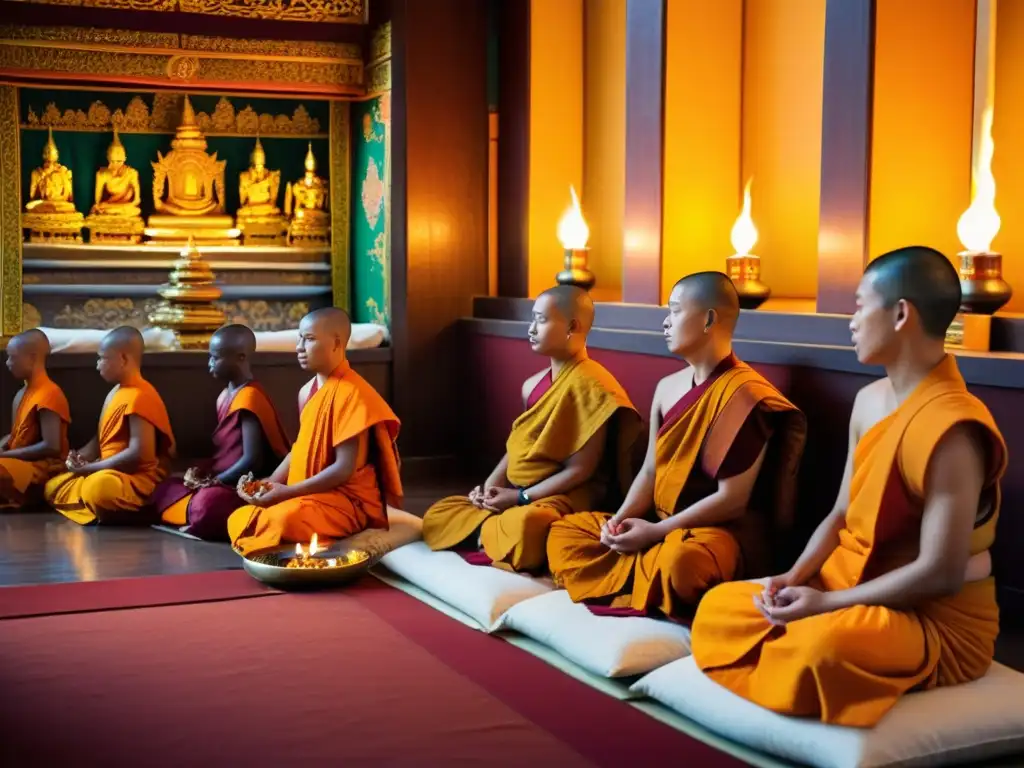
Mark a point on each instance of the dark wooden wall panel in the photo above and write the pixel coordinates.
(439, 209)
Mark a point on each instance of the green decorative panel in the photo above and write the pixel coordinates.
(371, 210)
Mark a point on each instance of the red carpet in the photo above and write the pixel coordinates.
(114, 594)
(363, 676)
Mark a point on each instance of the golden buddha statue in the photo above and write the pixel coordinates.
(116, 216)
(259, 219)
(50, 212)
(306, 202)
(188, 190)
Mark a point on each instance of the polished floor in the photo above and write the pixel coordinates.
(45, 548)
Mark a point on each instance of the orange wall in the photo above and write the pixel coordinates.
(556, 130)
(703, 62)
(923, 115)
(1008, 135)
(604, 141)
(783, 58)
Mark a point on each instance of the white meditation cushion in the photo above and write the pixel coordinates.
(944, 726)
(403, 528)
(608, 646)
(481, 592)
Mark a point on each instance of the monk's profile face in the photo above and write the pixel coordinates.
(20, 360)
(111, 362)
(686, 323)
(224, 359)
(873, 326)
(549, 329)
(319, 350)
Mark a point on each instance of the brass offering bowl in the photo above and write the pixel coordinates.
(275, 567)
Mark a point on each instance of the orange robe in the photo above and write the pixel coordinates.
(17, 476)
(724, 421)
(850, 666)
(561, 416)
(110, 496)
(345, 407)
(204, 513)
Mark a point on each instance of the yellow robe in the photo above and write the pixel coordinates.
(692, 445)
(110, 496)
(345, 407)
(582, 399)
(850, 666)
(17, 476)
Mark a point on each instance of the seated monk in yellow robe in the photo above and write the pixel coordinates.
(343, 470)
(556, 460)
(35, 449)
(711, 425)
(249, 438)
(110, 479)
(894, 592)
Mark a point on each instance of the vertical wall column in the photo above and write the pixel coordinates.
(846, 127)
(10, 214)
(439, 209)
(645, 131)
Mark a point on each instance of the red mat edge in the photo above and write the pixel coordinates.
(513, 681)
(33, 601)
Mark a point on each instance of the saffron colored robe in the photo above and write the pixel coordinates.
(204, 513)
(345, 407)
(850, 666)
(110, 496)
(715, 431)
(560, 418)
(17, 476)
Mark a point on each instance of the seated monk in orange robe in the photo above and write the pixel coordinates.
(343, 469)
(893, 593)
(711, 425)
(35, 449)
(111, 478)
(249, 438)
(556, 460)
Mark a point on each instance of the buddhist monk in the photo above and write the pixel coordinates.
(556, 460)
(111, 478)
(344, 467)
(893, 593)
(696, 514)
(249, 438)
(35, 449)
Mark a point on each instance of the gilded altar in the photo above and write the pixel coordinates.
(105, 185)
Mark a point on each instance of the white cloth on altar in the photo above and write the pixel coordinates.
(364, 336)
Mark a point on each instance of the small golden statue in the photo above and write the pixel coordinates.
(50, 213)
(306, 202)
(259, 218)
(188, 306)
(116, 217)
(188, 190)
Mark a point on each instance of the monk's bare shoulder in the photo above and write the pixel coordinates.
(531, 383)
(671, 388)
(872, 404)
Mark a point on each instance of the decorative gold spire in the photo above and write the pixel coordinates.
(188, 134)
(188, 307)
(50, 150)
(258, 155)
(310, 159)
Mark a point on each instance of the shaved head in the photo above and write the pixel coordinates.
(333, 321)
(574, 303)
(126, 340)
(323, 339)
(33, 340)
(235, 338)
(925, 279)
(712, 291)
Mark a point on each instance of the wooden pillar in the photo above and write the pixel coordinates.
(645, 125)
(845, 152)
(514, 147)
(439, 210)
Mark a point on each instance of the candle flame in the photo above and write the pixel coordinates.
(573, 231)
(979, 224)
(298, 550)
(312, 546)
(744, 233)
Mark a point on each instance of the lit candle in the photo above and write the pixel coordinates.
(573, 234)
(744, 268)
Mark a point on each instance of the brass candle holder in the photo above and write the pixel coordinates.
(982, 287)
(575, 270)
(743, 268)
(188, 307)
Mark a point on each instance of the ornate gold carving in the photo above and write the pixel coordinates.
(380, 44)
(266, 315)
(183, 68)
(378, 77)
(95, 35)
(273, 70)
(110, 313)
(373, 194)
(340, 187)
(10, 213)
(136, 118)
(291, 48)
(378, 71)
(80, 62)
(333, 11)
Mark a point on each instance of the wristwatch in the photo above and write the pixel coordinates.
(524, 497)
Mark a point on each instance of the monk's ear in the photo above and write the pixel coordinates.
(574, 325)
(902, 314)
(710, 320)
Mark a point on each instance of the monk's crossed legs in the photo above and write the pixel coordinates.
(101, 495)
